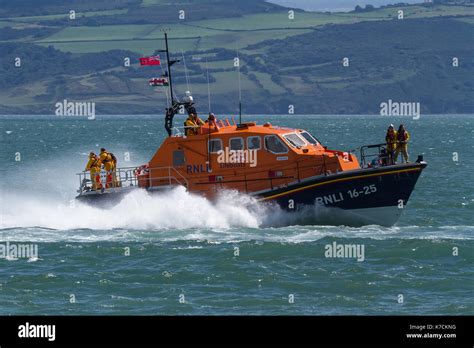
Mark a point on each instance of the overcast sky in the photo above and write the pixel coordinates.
(336, 5)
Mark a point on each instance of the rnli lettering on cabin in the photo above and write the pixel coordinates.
(197, 168)
(153, 60)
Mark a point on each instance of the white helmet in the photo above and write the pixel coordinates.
(188, 97)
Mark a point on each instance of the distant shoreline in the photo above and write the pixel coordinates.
(230, 115)
(336, 5)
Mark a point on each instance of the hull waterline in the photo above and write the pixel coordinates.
(353, 198)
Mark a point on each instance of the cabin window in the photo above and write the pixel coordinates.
(275, 145)
(294, 140)
(236, 144)
(309, 138)
(254, 143)
(215, 145)
(178, 158)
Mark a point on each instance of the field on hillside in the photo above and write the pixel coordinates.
(283, 60)
(232, 33)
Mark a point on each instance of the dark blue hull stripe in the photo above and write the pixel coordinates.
(367, 188)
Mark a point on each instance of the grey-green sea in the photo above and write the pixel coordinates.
(179, 254)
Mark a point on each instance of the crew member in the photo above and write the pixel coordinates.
(402, 143)
(115, 179)
(109, 161)
(192, 123)
(212, 121)
(190, 127)
(255, 143)
(198, 121)
(93, 166)
(391, 140)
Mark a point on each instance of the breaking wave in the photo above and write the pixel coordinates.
(179, 215)
(175, 209)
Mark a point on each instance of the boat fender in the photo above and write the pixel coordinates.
(142, 170)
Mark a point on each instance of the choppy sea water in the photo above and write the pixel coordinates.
(229, 256)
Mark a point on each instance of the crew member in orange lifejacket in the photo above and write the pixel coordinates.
(93, 166)
(402, 143)
(110, 162)
(391, 140)
(212, 121)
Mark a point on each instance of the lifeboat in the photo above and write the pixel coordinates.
(275, 165)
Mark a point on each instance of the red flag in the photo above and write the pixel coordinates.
(154, 60)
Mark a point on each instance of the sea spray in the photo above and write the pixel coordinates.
(138, 210)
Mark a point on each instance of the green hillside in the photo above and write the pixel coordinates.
(284, 61)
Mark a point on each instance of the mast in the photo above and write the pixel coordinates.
(240, 112)
(209, 169)
(175, 103)
(173, 108)
(240, 91)
(169, 69)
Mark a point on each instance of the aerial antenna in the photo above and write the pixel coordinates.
(169, 68)
(240, 89)
(209, 119)
(208, 88)
(188, 80)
